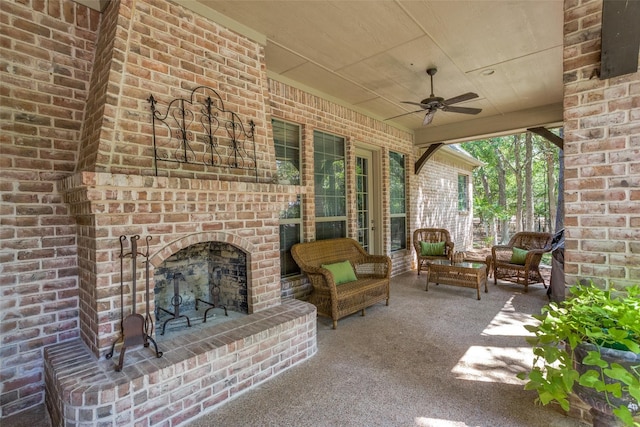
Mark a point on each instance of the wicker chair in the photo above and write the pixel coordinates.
(431, 235)
(535, 244)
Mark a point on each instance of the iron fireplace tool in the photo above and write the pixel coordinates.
(134, 327)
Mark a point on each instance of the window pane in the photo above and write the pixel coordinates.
(397, 185)
(397, 201)
(293, 210)
(286, 138)
(463, 194)
(329, 175)
(331, 229)
(398, 234)
(289, 236)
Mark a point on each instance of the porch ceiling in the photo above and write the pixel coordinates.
(371, 55)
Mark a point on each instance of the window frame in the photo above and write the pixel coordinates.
(396, 215)
(339, 153)
(285, 220)
(463, 196)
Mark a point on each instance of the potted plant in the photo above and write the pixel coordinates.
(589, 345)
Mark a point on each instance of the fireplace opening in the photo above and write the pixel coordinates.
(198, 287)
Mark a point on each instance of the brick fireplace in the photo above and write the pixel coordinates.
(83, 386)
(121, 188)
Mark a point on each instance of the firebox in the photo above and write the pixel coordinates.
(202, 283)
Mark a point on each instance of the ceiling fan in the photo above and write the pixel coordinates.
(434, 103)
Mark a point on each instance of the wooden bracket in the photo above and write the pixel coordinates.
(426, 156)
(549, 136)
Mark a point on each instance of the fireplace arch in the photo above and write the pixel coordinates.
(206, 236)
(163, 254)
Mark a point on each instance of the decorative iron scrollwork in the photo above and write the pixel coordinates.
(199, 130)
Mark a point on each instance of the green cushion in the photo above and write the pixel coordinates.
(431, 249)
(342, 272)
(518, 256)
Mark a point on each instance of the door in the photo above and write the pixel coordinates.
(367, 201)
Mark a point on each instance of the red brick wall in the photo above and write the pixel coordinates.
(160, 49)
(314, 113)
(602, 152)
(58, 274)
(434, 199)
(47, 56)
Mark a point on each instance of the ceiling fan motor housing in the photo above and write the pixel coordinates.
(432, 101)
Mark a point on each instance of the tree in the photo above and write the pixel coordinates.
(528, 183)
(514, 183)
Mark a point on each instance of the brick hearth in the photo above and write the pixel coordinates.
(194, 374)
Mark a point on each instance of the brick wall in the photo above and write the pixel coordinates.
(314, 113)
(434, 199)
(602, 152)
(64, 112)
(47, 53)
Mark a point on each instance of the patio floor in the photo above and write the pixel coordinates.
(436, 358)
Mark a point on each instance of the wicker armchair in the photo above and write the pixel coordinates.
(431, 235)
(502, 258)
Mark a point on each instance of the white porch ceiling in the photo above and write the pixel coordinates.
(371, 55)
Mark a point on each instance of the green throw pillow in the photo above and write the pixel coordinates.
(518, 256)
(431, 249)
(342, 272)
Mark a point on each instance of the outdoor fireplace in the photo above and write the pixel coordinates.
(175, 148)
(234, 251)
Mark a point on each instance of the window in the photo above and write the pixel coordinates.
(330, 189)
(397, 201)
(290, 234)
(286, 138)
(463, 193)
(362, 201)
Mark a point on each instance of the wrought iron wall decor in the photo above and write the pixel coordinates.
(199, 130)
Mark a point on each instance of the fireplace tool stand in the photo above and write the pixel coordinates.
(135, 329)
(176, 302)
(215, 292)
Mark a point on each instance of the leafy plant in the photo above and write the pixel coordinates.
(606, 318)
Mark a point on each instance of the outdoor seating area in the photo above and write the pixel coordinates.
(170, 157)
(518, 261)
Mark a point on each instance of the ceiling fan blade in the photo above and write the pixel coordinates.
(413, 103)
(460, 98)
(463, 110)
(428, 117)
(403, 114)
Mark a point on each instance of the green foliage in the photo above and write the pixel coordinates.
(605, 318)
(499, 153)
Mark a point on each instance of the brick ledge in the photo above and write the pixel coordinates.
(193, 375)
